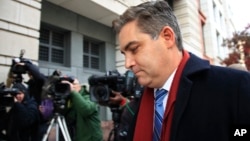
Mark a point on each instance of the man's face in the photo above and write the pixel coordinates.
(19, 97)
(76, 85)
(148, 58)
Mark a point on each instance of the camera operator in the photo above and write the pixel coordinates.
(22, 66)
(127, 107)
(23, 118)
(35, 88)
(82, 115)
(36, 80)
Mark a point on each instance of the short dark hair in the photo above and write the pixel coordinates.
(151, 17)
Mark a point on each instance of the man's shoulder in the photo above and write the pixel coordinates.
(227, 75)
(231, 71)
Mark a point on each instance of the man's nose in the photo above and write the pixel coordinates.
(129, 62)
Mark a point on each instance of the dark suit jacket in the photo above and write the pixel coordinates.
(210, 101)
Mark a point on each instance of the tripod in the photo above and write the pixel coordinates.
(59, 122)
(116, 115)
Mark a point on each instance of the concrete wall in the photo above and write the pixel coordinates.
(187, 14)
(79, 27)
(18, 31)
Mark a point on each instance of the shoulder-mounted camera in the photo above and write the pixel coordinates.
(7, 95)
(101, 86)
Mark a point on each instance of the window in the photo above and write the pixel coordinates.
(52, 45)
(91, 54)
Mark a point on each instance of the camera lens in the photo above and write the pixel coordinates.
(101, 93)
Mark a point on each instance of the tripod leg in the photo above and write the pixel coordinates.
(65, 127)
(110, 134)
(45, 137)
(57, 130)
(64, 130)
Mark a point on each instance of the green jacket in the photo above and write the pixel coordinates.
(86, 118)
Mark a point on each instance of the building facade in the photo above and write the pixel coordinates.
(76, 36)
(218, 26)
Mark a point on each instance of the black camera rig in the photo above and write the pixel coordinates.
(57, 91)
(101, 90)
(16, 70)
(7, 95)
(101, 86)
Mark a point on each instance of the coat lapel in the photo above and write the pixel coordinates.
(193, 66)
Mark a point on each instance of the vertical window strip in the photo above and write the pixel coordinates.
(91, 55)
(52, 47)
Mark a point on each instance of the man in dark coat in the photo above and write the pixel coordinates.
(202, 103)
(36, 81)
(23, 118)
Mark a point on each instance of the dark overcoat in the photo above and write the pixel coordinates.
(210, 102)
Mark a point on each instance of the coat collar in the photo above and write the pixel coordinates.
(193, 67)
(143, 131)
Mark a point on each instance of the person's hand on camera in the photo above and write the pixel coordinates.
(15, 99)
(20, 64)
(117, 99)
(75, 86)
(70, 84)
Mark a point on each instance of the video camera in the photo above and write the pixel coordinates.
(57, 91)
(7, 95)
(18, 70)
(101, 86)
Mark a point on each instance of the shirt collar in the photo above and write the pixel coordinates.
(168, 82)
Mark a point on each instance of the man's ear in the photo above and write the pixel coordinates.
(168, 35)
